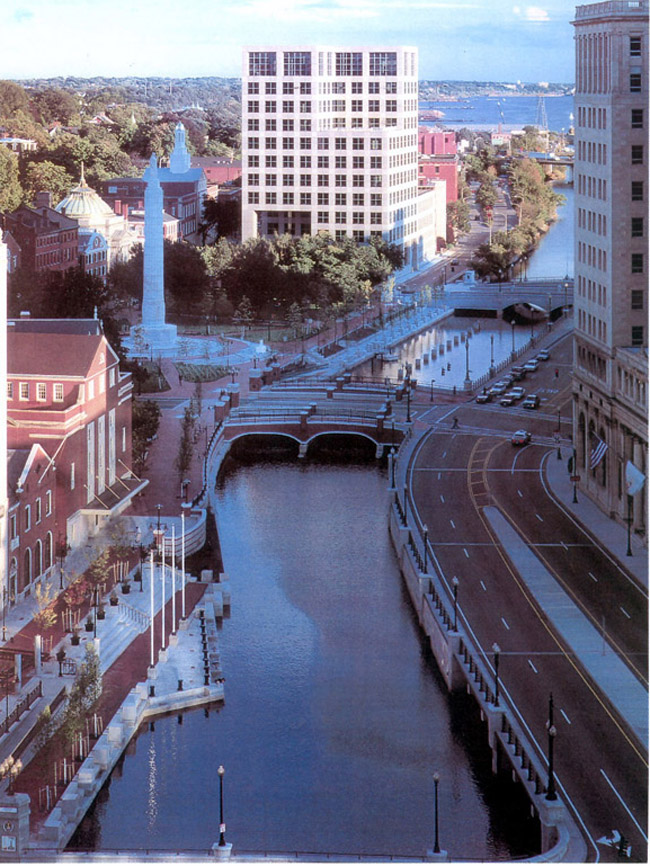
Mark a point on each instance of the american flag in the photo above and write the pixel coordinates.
(598, 449)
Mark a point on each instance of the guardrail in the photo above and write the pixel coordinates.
(21, 707)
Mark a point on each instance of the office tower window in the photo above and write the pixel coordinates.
(637, 227)
(636, 299)
(637, 154)
(349, 63)
(270, 88)
(637, 263)
(383, 63)
(637, 335)
(262, 63)
(297, 63)
(637, 118)
(637, 190)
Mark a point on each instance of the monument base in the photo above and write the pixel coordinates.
(153, 340)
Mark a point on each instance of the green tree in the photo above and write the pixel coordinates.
(47, 176)
(13, 98)
(185, 446)
(11, 192)
(83, 697)
(145, 421)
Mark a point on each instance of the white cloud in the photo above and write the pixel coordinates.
(531, 13)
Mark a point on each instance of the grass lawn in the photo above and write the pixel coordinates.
(201, 372)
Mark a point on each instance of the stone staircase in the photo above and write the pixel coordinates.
(118, 630)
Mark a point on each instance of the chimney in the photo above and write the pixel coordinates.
(43, 199)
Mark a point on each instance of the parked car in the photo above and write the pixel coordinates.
(484, 398)
(521, 437)
(543, 355)
(531, 402)
(531, 366)
(513, 396)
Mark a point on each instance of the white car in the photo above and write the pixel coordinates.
(531, 366)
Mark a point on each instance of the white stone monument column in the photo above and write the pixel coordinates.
(154, 332)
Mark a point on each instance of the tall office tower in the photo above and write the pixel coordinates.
(330, 143)
(610, 382)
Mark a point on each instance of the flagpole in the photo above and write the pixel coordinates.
(162, 583)
(173, 580)
(183, 563)
(151, 582)
(629, 525)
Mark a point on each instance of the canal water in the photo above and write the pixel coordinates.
(335, 717)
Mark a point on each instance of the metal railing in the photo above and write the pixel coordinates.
(21, 707)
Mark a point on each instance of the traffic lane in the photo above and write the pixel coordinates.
(611, 599)
(481, 582)
(532, 667)
(438, 485)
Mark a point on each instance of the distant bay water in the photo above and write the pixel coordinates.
(512, 112)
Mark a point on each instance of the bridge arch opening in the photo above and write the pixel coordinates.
(275, 447)
(341, 448)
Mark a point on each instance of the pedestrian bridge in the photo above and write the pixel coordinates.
(500, 299)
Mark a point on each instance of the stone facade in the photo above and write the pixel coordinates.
(611, 262)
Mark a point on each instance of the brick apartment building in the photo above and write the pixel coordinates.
(69, 435)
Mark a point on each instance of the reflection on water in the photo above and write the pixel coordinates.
(335, 717)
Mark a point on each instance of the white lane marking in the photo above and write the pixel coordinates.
(442, 498)
(624, 804)
(453, 525)
(505, 623)
(626, 613)
(520, 493)
(533, 666)
(568, 720)
(564, 546)
(484, 586)
(595, 579)
(541, 519)
(444, 454)
(438, 476)
(465, 552)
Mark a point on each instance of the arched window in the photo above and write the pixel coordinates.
(601, 469)
(13, 580)
(38, 558)
(27, 569)
(49, 551)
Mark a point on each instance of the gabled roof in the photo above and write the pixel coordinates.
(54, 347)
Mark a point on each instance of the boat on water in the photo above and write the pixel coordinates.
(431, 114)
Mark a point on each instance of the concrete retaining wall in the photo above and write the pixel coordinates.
(462, 665)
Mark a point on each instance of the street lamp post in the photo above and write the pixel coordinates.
(222, 826)
(436, 840)
(491, 354)
(426, 541)
(454, 583)
(408, 393)
(512, 325)
(629, 526)
(496, 649)
(468, 381)
(158, 509)
(559, 423)
(431, 395)
(392, 468)
(552, 733)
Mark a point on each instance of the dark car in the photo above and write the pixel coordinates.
(518, 373)
(484, 398)
(521, 437)
(531, 402)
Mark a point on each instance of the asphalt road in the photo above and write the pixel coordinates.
(601, 768)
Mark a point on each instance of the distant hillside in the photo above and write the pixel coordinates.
(177, 94)
(442, 90)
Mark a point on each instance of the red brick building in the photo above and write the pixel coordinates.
(67, 397)
(48, 240)
(436, 141)
(439, 159)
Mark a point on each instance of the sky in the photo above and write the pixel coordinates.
(498, 40)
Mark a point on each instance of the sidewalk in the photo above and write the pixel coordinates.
(595, 522)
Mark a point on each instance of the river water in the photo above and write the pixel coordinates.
(511, 112)
(335, 717)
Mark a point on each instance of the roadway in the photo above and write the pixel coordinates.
(601, 766)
